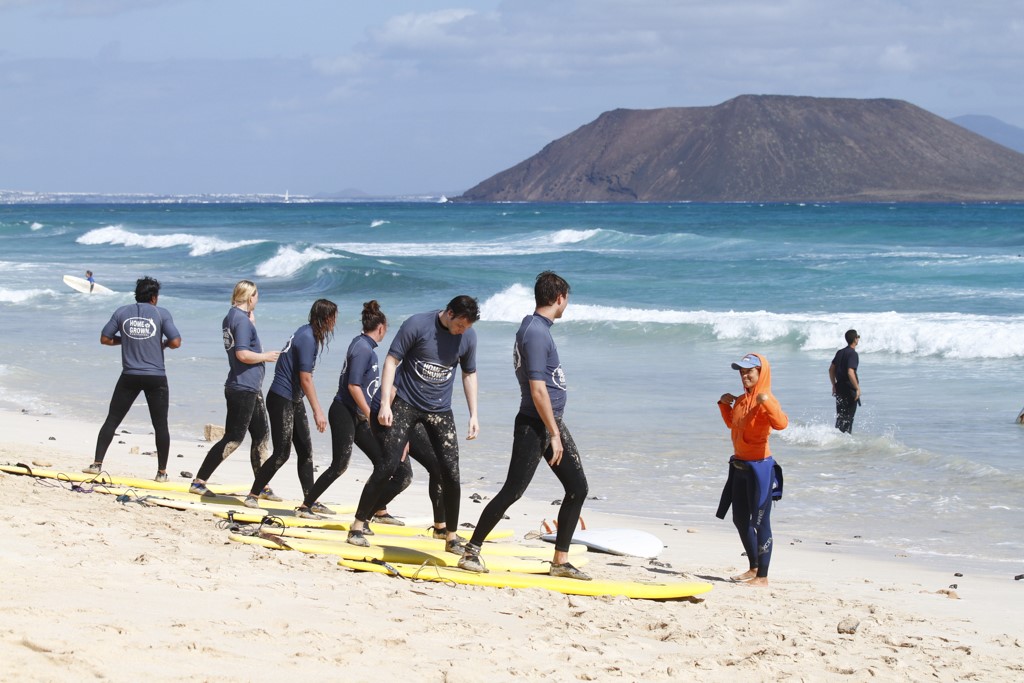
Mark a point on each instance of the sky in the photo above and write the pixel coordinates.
(403, 97)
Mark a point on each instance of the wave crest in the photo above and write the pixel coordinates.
(198, 246)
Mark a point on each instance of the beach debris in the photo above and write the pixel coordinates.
(951, 594)
(185, 474)
(953, 586)
(53, 438)
(848, 625)
(958, 575)
(134, 450)
(180, 455)
(468, 525)
(125, 431)
(476, 498)
(42, 463)
(692, 531)
(656, 563)
(557, 501)
(1019, 577)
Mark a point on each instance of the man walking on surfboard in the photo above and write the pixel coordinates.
(539, 430)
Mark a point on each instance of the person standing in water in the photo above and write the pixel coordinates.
(293, 380)
(420, 367)
(91, 280)
(143, 330)
(845, 383)
(539, 431)
(754, 480)
(243, 389)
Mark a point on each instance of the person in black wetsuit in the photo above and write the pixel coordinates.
(143, 330)
(539, 431)
(845, 383)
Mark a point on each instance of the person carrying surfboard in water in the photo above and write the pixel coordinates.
(143, 330)
(539, 430)
(243, 390)
(754, 480)
(293, 380)
(91, 280)
(416, 388)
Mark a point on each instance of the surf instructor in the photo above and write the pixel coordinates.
(754, 480)
(143, 330)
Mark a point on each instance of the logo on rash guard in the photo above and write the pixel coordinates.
(558, 378)
(229, 339)
(432, 373)
(139, 328)
(372, 388)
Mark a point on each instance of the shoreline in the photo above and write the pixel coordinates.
(123, 591)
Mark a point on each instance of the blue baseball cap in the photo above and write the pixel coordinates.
(748, 361)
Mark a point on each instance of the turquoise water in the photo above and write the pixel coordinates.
(664, 298)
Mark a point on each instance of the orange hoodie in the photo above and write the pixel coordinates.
(752, 423)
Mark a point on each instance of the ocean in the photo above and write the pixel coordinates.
(664, 298)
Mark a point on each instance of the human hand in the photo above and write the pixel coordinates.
(556, 450)
(727, 399)
(384, 417)
(474, 428)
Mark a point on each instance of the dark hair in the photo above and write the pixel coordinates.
(851, 336)
(320, 316)
(373, 317)
(146, 288)
(465, 306)
(548, 288)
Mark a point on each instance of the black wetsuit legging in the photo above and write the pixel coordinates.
(246, 413)
(755, 534)
(444, 444)
(347, 429)
(530, 442)
(126, 390)
(846, 408)
(288, 425)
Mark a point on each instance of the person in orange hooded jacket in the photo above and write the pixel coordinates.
(755, 480)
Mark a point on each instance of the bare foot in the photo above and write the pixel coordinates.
(745, 576)
(760, 581)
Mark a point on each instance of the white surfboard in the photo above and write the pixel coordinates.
(80, 284)
(633, 542)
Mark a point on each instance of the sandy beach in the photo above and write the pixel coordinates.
(96, 589)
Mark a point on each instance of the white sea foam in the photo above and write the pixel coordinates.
(289, 261)
(377, 223)
(943, 335)
(18, 296)
(37, 226)
(198, 246)
(536, 244)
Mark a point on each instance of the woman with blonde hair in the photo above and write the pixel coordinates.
(243, 389)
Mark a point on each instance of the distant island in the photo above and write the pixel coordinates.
(766, 148)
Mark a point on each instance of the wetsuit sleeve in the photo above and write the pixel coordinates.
(111, 328)
(467, 359)
(404, 340)
(359, 361)
(170, 331)
(304, 350)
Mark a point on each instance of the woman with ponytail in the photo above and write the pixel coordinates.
(293, 380)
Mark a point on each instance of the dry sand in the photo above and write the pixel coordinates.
(95, 589)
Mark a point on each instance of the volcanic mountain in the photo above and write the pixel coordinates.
(769, 148)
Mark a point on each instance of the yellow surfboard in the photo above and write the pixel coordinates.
(253, 517)
(110, 480)
(388, 553)
(629, 589)
(431, 544)
(236, 501)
